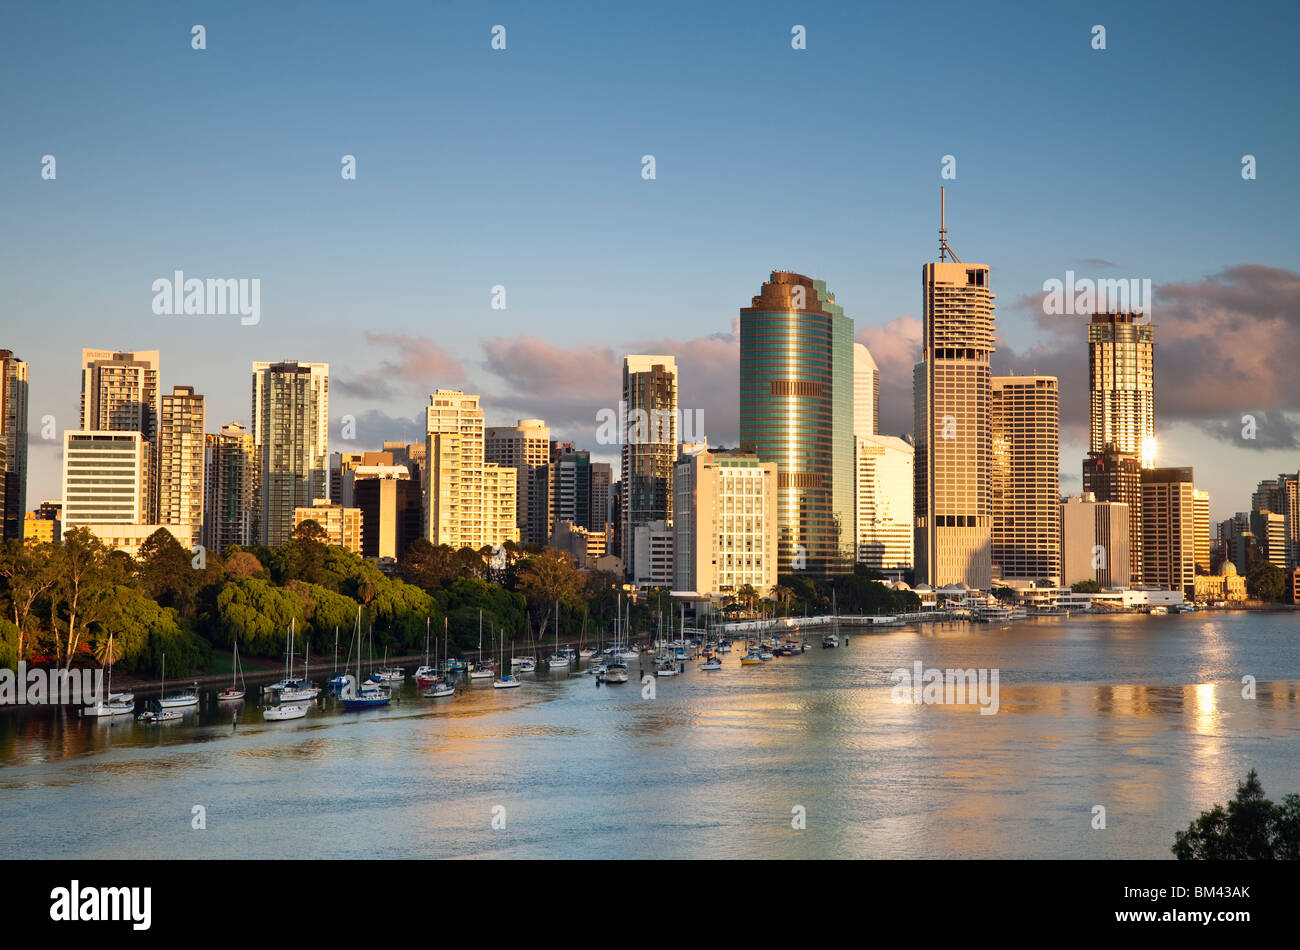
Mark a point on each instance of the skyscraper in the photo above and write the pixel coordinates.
(1025, 488)
(1201, 501)
(229, 483)
(465, 497)
(105, 478)
(953, 441)
(13, 445)
(724, 523)
(649, 447)
(1094, 542)
(181, 443)
(1169, 529)
(866, 392)
(526, 448)
(290, 415)
(797, 410)
(1121, 392)
(885, 475)
(119, 393)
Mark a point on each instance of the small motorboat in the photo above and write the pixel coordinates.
(752, 658)
(614, 673)
(668, 671)
(156, 716)
(714, 664)
(284, 711)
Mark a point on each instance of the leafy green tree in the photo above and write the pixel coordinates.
(165, 572)
(1251, 827)
(549, 576)
(1266, 581)
(29, 572)
(82, 590)
(1086, 587)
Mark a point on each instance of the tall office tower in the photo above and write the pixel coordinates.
(1169, 529)
(866, 392)
(796, 410)
(390, 508)
(180, 467)
(464, 494)
(229, 488)
(105, 478)
(526, 448)
(1201, 499)
(291, 440)
(953, 442)
(572, 480)
(649, 443)
(1025, 487)
(119, 393)
(1269, 528)
(1110, 476)
(885, 470)
(1290, 490)
(13, 439)
(616, 520)
(1121, 394)
(724, 523)
(1266, 497)
(601, 475)
(1094, 542)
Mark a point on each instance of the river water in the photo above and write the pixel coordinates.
(1141, 715)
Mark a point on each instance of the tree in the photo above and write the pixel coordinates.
(1086, 587)
(550, 576)
(1250, 828)
(1266, 581)
(82, 587)
(28, 569)
(165, 573)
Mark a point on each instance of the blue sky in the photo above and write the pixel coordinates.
(521, 168)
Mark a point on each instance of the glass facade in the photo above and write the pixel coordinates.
(796, 409)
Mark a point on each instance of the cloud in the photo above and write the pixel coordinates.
(1225, 346)
(896, 348)
(1097, 263)
(419, 361)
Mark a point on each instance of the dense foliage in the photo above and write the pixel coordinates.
(60, 602)
(1250, 828)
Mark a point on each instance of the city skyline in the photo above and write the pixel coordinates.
(401, 304)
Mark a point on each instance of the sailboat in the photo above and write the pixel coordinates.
(425, 675)
(230, 694)
(338, 679)
(367, 694)
(616, 669)
(114, 704)
(160, 713)
(559, 659)
(508, 681)
(290, 689)
(481, 671)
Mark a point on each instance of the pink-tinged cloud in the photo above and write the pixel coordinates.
(896, 348)
(419, 363)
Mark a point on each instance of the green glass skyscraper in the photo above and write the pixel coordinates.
(796, 409)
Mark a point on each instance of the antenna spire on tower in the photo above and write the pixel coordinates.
(944, 249)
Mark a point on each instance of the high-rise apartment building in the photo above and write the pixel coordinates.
(725, 523)
(1094, 542)
(290, 413)
(181, 444)
(342, 526)
(885, 480)
(526, 448)
(1269, 528)
(465, 497)
(1169, 529)
(390, 507)
(1121, 391)
(953, 440)
(866, 392)
(120, 393)
(797, 411)
(229, 482)
(1025, 488)
(13, 445)
(105, 478)
(649, 446)
(1201, 500)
